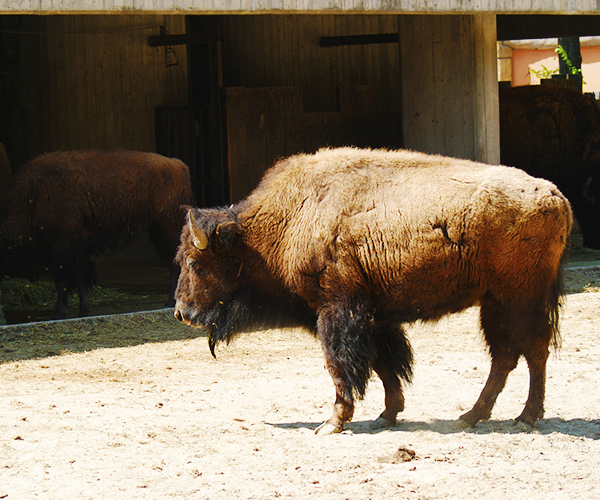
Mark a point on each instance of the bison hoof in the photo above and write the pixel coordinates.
(525, 422)
(475, 415)
(523, 426)
(382, 423)
(469, 419)
(461, 424)
(327, 428)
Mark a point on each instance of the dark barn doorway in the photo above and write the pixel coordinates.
(195, 133)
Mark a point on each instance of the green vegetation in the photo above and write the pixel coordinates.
(546, 73)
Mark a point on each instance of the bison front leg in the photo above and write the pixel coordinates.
(174, 272)
(394, 398)
(343, 410)
(346, 335)
(84, 276)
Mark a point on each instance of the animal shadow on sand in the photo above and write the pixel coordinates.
(577, 427)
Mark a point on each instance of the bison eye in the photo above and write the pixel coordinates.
(191, 262)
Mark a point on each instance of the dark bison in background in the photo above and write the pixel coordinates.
(352, 243)
(554, 133)
(64, 207)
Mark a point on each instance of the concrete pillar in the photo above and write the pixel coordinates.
(450, 85)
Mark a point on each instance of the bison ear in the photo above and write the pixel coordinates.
(226, 234)
(199, 237)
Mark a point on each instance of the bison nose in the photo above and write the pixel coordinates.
(178, 315)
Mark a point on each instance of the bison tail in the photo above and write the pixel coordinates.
(553, 305)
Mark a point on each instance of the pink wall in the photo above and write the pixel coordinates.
(523, 59)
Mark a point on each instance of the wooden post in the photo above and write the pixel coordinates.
(572, 48)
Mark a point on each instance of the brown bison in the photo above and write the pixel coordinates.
(64, 207)
(352, 243)
(554, 133)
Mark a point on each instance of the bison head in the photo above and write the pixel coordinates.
(207, 293)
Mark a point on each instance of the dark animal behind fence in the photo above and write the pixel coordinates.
(554, 133)
(64, 207)
(353, 243)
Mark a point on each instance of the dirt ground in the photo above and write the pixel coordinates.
(144, 412)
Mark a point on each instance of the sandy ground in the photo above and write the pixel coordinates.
(165, 420)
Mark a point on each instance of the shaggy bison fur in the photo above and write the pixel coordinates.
(353, 243)
(554, 133)
(64, 207)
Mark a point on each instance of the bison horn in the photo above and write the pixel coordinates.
(586, 190)
(200, 240)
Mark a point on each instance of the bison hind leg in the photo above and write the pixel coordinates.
(544, 319)
(536, 357)
(393, 363)
(497, 323)
(514, 328)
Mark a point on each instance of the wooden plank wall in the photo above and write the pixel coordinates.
(283, 51)
(189, 134)
(267, 123)
(93, 81)
(286, 94)
(487, 112)
(21, 126)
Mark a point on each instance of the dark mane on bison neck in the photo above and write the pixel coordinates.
(251, 309)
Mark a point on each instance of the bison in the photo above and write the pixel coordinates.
(554, 133)
(64, 207)
(352, 243)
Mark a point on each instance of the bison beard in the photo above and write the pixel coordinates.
(249, 309)
(224, 321)
(353, 243)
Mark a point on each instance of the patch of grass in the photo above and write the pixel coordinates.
(22, 294)
(582, 254)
